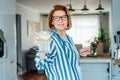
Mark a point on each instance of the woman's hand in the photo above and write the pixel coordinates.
(84, 51)
(37, 39)
(41, 37)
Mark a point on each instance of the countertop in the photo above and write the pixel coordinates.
(117, 62)
(103, 58)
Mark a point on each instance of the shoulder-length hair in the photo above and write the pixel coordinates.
(56, 8)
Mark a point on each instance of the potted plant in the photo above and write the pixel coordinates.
(103, 39)
(101, 35)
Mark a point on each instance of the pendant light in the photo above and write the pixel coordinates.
(70, 7)
(100, 6)
(84, 7)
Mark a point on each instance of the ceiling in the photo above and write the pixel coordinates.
(44, 6)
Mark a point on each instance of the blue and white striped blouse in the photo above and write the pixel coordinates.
(62, 61)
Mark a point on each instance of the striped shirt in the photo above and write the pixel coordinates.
(62, 62)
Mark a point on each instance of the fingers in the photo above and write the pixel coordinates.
(36, 39)
(41, 38)
(84, 50)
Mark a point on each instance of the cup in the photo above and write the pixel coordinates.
(44, 44)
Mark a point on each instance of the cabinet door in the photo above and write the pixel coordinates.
(2, 71)
(10, 70)
(115, 72)
(94, 71)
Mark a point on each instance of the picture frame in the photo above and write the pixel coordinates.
(32, 27)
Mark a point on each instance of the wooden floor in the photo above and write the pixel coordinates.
(32, 75)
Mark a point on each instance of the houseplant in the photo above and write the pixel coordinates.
(103, 40)
(101, 35)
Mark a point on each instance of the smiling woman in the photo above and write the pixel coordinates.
(62, 60)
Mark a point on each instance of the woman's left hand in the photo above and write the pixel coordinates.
(84, 51)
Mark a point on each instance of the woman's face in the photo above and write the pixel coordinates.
(60, 20)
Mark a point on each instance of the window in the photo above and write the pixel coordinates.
(84, 28)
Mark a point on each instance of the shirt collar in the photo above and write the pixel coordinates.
(63, 38)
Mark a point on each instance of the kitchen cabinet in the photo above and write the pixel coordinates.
(2, 74)
(96, 68)
(115, 71)
(7, 69)
(10, 70)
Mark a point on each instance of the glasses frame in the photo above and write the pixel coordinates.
(57, 18)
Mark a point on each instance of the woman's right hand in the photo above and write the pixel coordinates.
(36, 39)
(44, 37)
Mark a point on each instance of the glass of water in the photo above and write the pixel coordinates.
(44, 44)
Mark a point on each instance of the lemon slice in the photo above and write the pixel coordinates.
(45, 35)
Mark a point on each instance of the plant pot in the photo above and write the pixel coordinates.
(100, 49)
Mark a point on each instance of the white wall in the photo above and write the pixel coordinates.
(27, 41)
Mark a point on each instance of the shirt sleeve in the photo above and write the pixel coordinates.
(48, 60)
(77, 53)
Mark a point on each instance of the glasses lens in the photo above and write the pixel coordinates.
(64, 18)
(57, 18)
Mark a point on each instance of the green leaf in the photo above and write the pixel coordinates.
(102, 35)
(20, 66)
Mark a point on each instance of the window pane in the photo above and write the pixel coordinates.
(84, 28)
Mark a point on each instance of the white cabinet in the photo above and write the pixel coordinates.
(10, 70)
(96, 69)
(2, 73)
(115, 72)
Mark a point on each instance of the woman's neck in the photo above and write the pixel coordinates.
(62, 33)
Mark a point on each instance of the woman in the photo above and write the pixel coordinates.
(62, 62)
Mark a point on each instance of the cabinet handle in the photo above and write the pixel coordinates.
(119, 72)
(12, 61)
(6, 50)
(108, 70)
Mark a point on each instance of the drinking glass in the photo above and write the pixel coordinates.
(44, 44)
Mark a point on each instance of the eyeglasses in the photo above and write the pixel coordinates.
(57, 18)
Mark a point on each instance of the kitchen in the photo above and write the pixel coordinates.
(27, 41)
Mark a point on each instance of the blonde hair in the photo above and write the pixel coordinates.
(56, 8)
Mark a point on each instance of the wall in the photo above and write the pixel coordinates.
(44, 22)
(27, 41)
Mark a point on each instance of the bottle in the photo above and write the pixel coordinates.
(118, 54)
